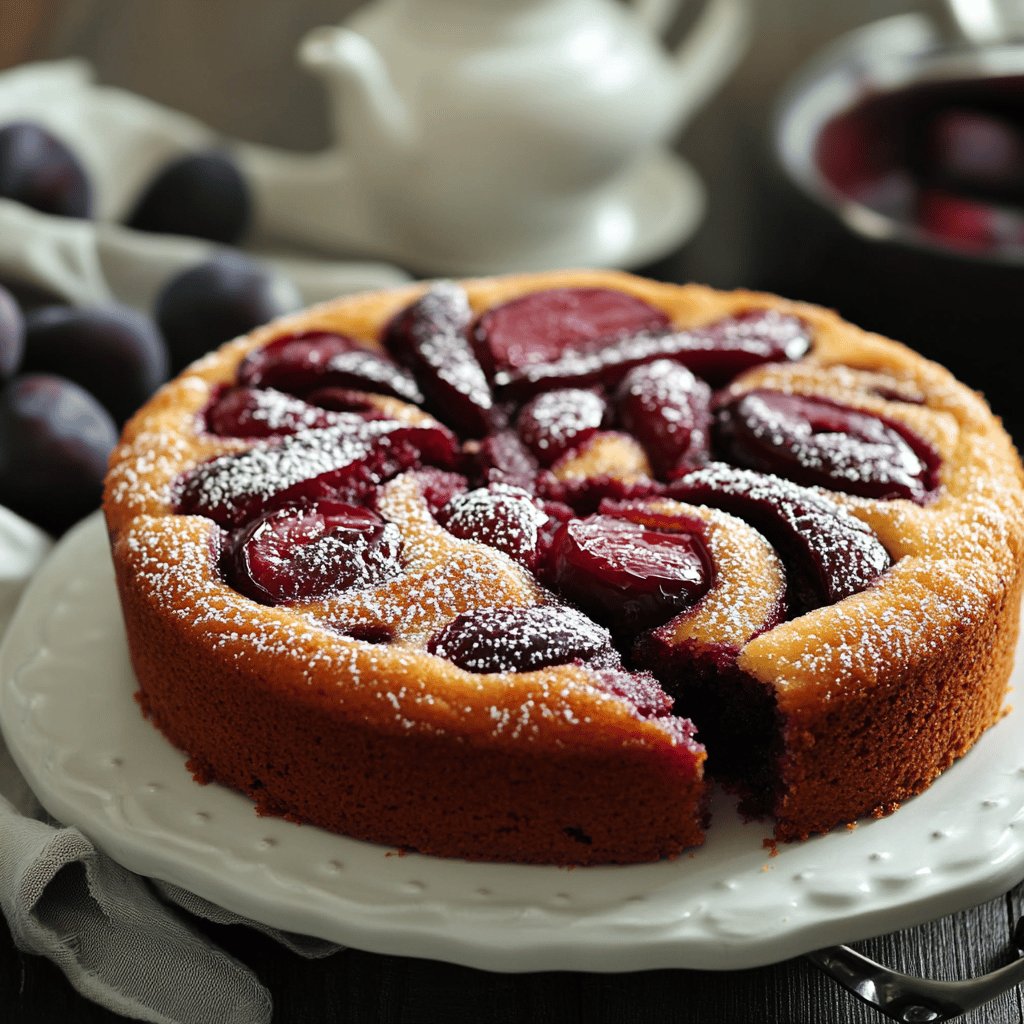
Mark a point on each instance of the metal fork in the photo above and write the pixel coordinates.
(915, 1000)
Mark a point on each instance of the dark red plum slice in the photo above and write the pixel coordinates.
(430, 338)
(556, 422)
(818, 442)
(334, 463)
(717, 353)
(522, 640)
(264, 412)
(668, 410)
(584, 495)
(626, 575)
(503, 517)
(309, 553)
(539, 327)
(305, 362)
(439, 486)
(829, 553)
(503, 458)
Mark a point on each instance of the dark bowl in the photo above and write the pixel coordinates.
(862, 254)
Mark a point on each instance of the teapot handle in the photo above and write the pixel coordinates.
(708, 52)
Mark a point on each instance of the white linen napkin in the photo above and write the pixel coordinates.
(117, 937)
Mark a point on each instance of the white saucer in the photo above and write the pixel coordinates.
(649, 213)
(68, 716)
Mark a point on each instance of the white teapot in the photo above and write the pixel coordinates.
(494, 135)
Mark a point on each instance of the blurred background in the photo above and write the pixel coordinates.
(232, 63)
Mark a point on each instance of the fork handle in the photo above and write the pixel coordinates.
(911, 1000)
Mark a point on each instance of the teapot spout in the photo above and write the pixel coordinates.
(368, 104)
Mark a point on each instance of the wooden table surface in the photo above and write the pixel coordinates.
(746, 240)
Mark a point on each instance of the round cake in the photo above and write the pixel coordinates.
(512, 569)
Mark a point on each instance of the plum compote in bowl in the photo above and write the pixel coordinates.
(902, 154)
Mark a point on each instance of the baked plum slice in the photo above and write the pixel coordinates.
(668, 410)
(344, 463)
(523, 640)
(264, 412)
(818, 442)
(429, 337)
(830, 554)
(717, 352)
(539, 327)
(555, 422)
(504, 517)
(629, 575)
(503, 458)
(302, 363)
(507, 518)
(313, 552)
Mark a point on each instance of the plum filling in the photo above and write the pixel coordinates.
(301, 363)
(627, 575)
(522, 640)
(737, 717)
(306, 554)
(818, 442)
(717, 352)
(668, 410)
(539, 327)
(430, 337)
(830, 553)
(575, 408)
(504, 517)
(553, 423)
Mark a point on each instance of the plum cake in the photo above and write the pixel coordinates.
(511, 569)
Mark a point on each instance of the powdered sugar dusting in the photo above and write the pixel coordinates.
(503, 516)
(749, 589)
(233, 487)
(172, 562)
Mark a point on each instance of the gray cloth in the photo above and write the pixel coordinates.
(117, 937)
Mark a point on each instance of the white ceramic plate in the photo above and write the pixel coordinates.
(67, 713)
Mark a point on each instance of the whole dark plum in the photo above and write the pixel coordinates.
(55, 439)
(114, 352)
(218, 300)
(202, 194)
(37, 169)
(12, 334)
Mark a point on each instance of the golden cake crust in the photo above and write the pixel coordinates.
(875, 695)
